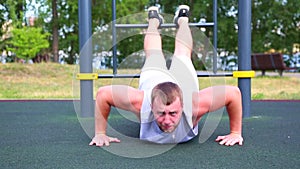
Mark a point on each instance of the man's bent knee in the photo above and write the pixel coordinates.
(102, 91)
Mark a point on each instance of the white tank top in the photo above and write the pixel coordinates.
(149, 130)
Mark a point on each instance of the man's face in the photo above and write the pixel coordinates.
(167, 116)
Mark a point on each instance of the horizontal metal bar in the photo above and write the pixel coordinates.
(119, 76)
(138, 75)
(165, 25)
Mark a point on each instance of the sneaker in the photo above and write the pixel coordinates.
(182, 11)
(153, 12)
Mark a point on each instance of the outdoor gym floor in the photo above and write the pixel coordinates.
(47, 134)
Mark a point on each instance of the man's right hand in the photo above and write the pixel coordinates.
(103, 140)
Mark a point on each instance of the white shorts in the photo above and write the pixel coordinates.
(155, 71)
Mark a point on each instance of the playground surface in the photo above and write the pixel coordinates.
(47, 134)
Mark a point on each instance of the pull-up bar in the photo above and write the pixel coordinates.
(138, 75)
(95, 76)
(165, 25)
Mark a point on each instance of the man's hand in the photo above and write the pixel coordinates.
(103, 140)
(230, 139)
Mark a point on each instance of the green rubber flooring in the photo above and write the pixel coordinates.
(47, 134)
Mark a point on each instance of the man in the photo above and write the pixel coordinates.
(168, 103)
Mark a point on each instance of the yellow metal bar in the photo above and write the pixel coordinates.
(87, 76)
(244, 74)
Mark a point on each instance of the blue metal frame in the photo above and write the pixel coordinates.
(244, 52)
(85, 32)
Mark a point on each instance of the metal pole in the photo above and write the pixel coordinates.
(85, 32)
(114, 36)
(215, 35)
(244, 52)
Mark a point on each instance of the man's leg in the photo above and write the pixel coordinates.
(184, 40)
(155, 69)
(182, 67)
(153, 41)
(183, 43)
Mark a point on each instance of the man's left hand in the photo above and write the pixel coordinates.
(230, 139)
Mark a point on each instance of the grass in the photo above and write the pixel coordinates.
(267, 87)
(38, 81)
(55, 81)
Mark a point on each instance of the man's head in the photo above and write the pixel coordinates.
(167, 105)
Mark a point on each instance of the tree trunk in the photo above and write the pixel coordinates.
(54, 31)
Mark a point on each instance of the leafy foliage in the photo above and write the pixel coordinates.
(26, 42)
(275, 23)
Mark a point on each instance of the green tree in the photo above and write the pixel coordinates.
(14, 10)
(102, 15)
(60, 17)
(55, 27)
(275, 25)
(11, 11)
(26, 42)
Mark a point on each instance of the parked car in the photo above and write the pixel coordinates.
(232, 66)
(296, 60)
(230, 63)
(292, 62)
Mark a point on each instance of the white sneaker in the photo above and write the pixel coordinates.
(153, 12)
(182, 11)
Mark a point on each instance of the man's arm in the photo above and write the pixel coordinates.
(214, 98)
(119, 96)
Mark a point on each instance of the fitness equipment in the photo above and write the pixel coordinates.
(86, 77)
